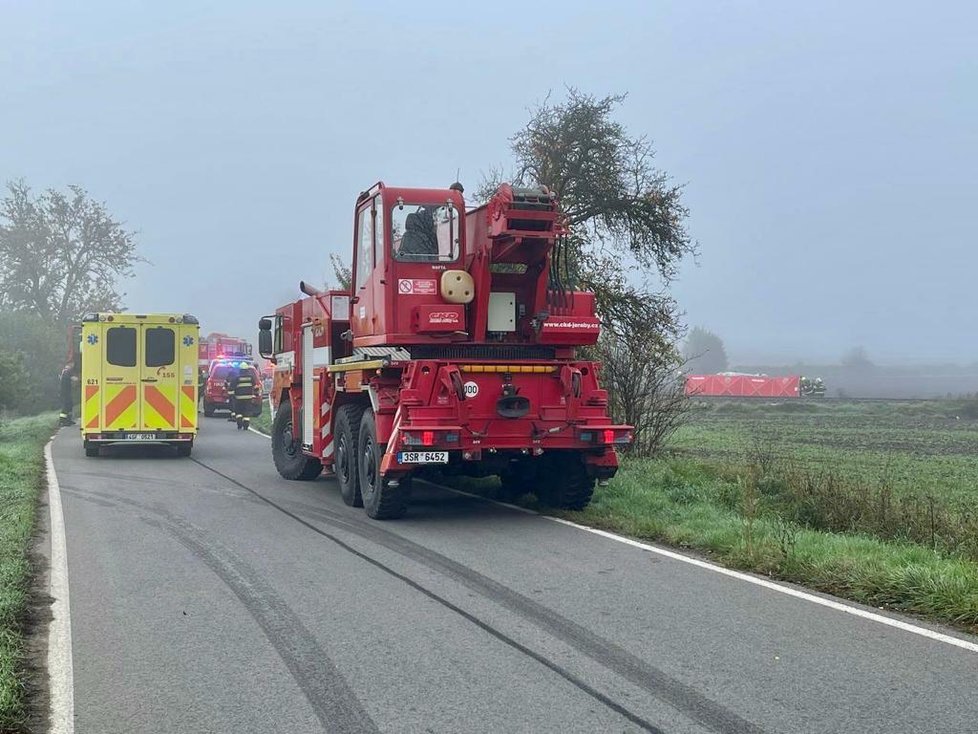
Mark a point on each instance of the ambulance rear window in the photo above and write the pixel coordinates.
(160, 347)
(120, 346)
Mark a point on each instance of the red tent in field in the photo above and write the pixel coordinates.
(734, 385)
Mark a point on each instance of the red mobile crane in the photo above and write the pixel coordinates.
(455, 347)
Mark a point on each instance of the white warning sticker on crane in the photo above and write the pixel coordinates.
(417, 286)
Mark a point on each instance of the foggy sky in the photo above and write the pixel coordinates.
(830, 150)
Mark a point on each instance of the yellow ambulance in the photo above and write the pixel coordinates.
(139, 380)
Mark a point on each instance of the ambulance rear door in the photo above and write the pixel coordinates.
(120, 359)
(158, 378)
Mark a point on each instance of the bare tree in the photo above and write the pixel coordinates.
(645, 388)
(61, 254)
(628, 237)
(628, 220)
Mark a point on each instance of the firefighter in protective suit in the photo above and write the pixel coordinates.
(241, 396)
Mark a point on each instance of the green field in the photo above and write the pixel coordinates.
(915, 448)
(21, 478)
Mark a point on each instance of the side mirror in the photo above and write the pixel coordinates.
(265, 347)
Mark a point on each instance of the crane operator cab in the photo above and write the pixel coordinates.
(405, 241)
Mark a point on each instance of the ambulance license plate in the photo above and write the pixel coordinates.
(140, 436)
(422, 457)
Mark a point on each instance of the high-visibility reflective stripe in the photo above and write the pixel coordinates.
(120, 407)
(188, 407)
(90, 412)
(164, 409)
(510, 368)
(162, 413)
(326, 428)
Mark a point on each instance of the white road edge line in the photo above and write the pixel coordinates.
(757, 581)
(60, 671)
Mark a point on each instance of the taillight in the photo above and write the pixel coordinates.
(428, 438)
(606, 436)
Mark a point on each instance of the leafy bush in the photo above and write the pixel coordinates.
(33, 354)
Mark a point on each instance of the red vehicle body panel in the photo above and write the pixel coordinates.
(394, 303)
(215, 388)
(743, 386)
(434, 365)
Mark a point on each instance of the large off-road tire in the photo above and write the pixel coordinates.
(346, 459)
(517, 480)
(564, 482)
(185, 449)
(381, 500)
(91, 449)
(208, 409)
(287, 451)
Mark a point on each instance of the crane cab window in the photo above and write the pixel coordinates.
(120, 346)
(365, 243)
(425, 232)
(160, 347)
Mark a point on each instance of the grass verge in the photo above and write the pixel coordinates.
(263, 422)
(726, 515)
(21, 477)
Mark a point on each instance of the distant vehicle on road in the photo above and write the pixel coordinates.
(215, 387)
(139, 380)
(220, 346)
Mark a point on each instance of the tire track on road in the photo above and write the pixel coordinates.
(324, 687)
(685, 699)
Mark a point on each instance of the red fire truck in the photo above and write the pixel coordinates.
(215, 393)
(219, 346)
(455, 348)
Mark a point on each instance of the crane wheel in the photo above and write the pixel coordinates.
(381, 498)
(346, 459)
(518, 479)
(564, 482)
(287, 449)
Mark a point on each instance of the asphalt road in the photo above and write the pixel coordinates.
(209, 595)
